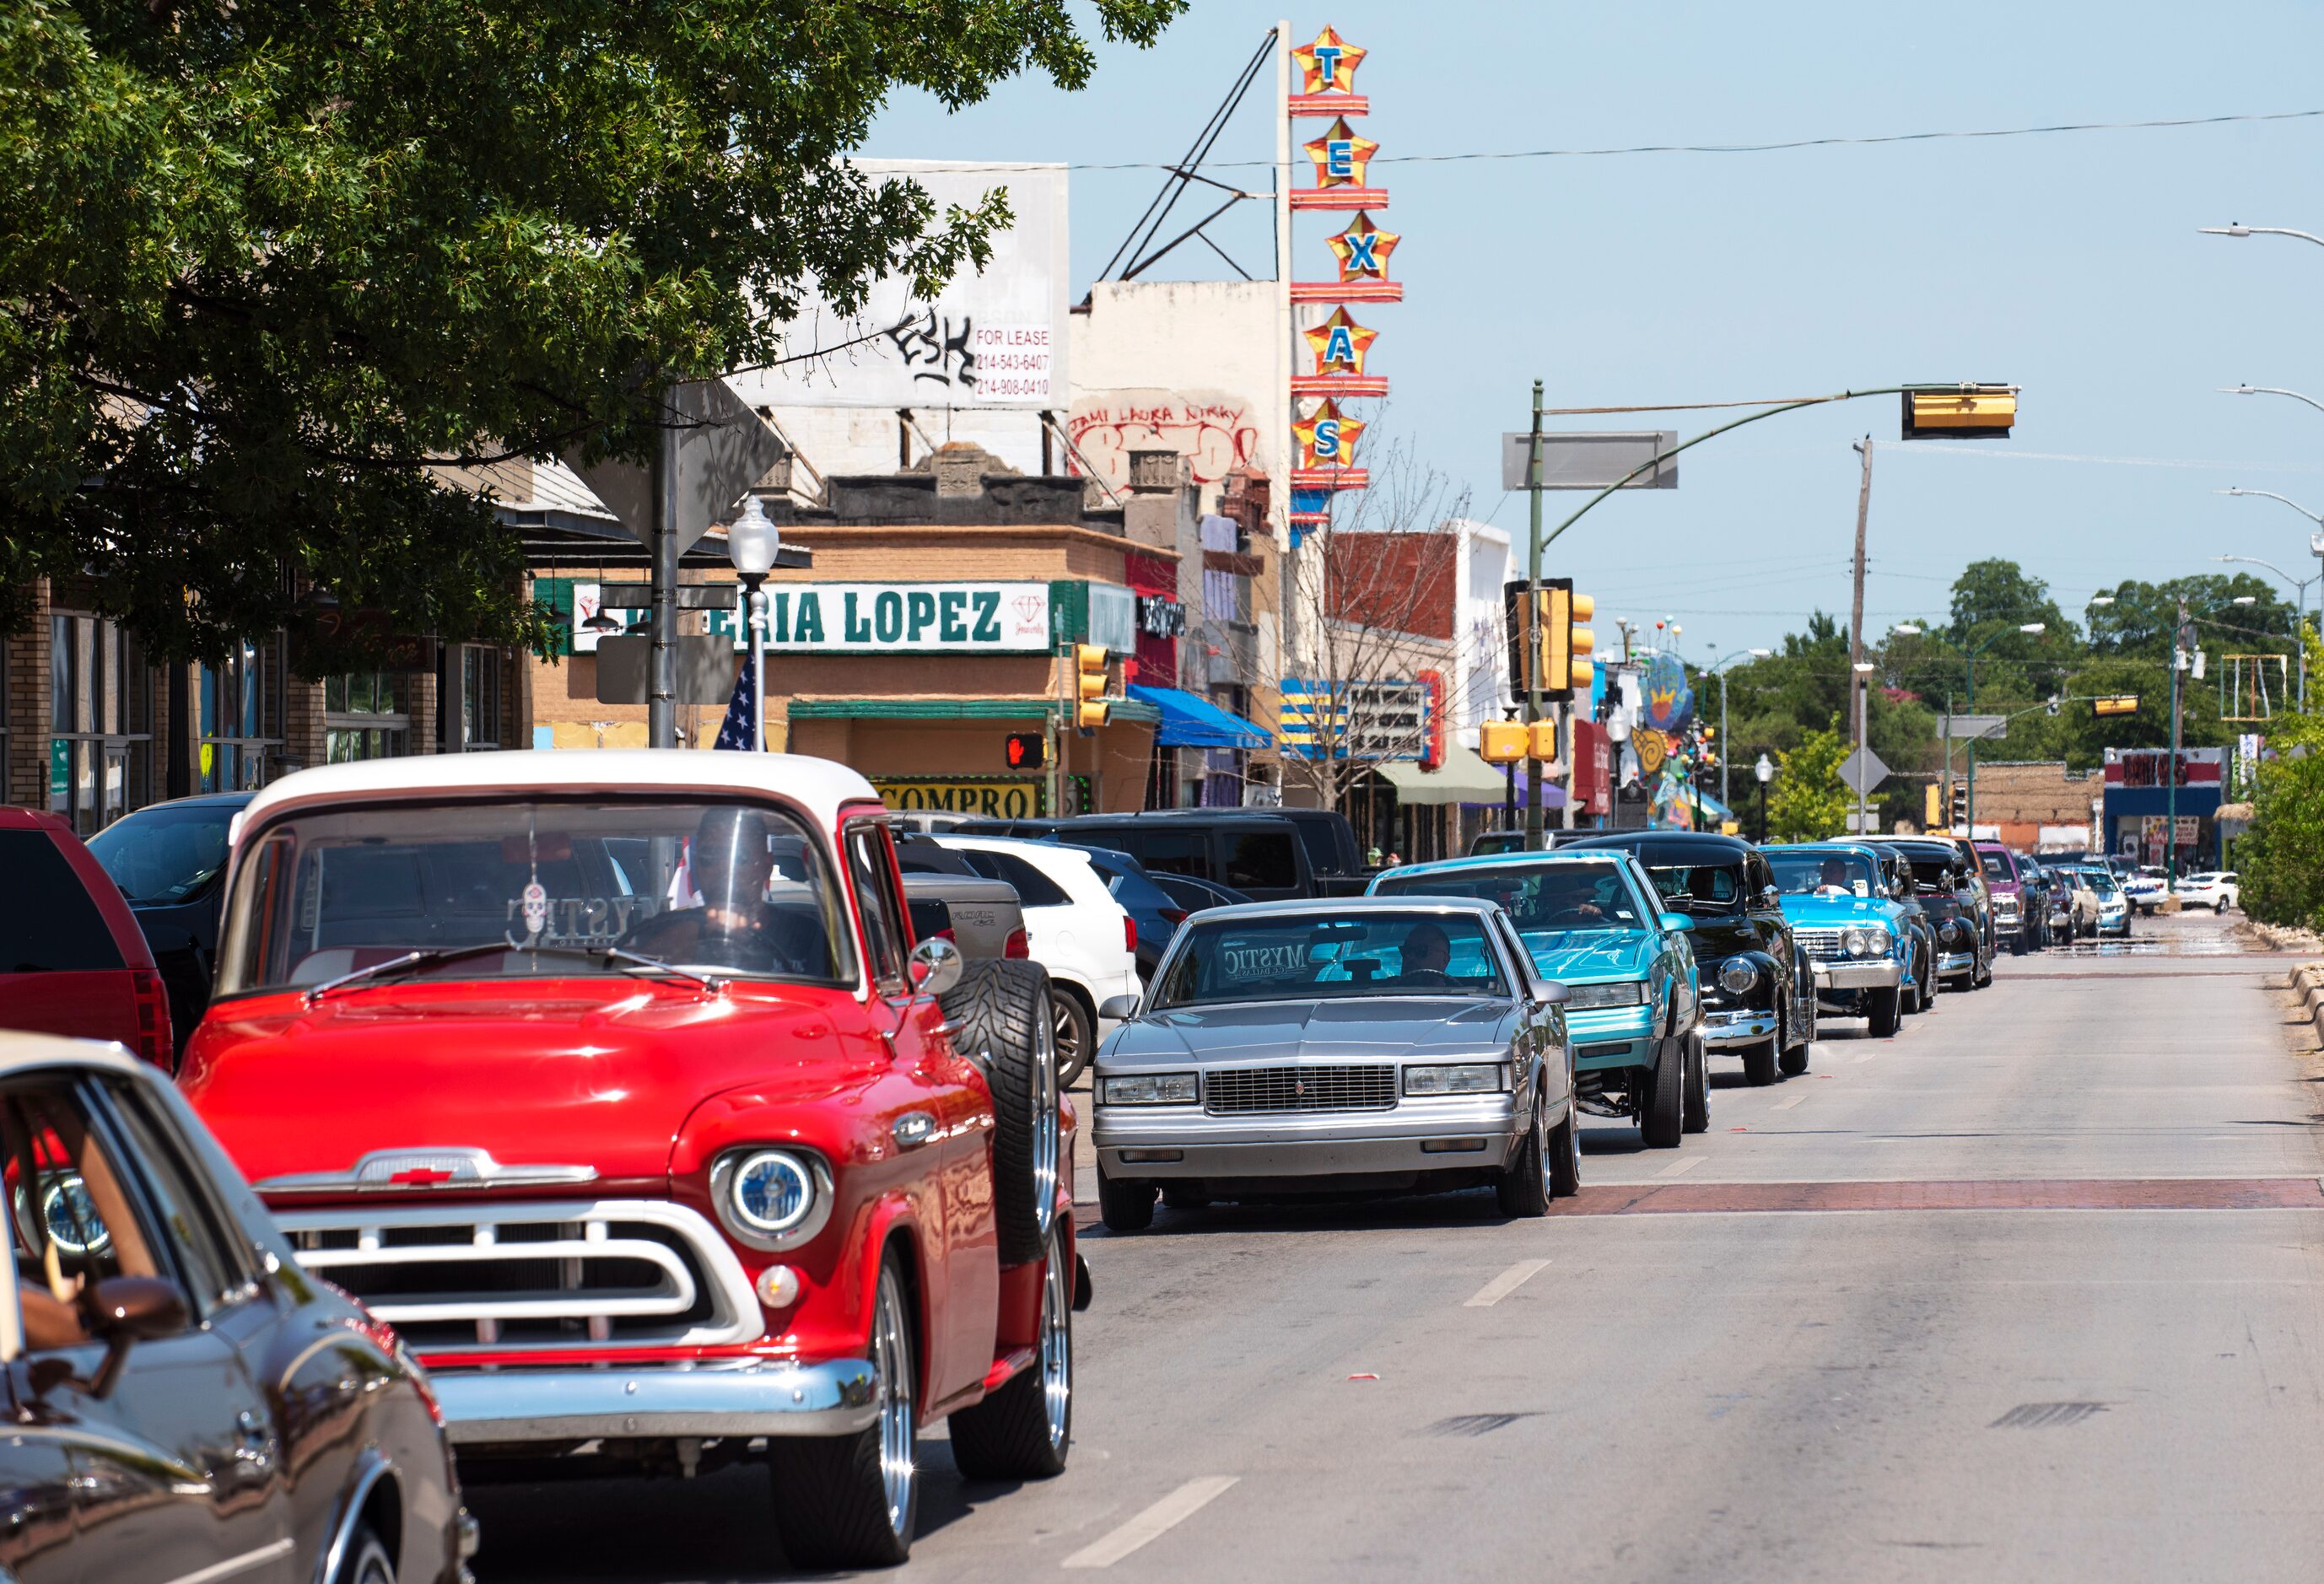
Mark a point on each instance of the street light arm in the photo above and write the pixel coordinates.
(1649, 465)
(2260, 231)
(2272, 495)
(2270, 391)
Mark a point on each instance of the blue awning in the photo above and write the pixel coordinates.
(1190, 720)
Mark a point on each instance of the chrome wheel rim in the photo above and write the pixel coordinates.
(1057, 1347)
(892, 1357)
(1541, 1148)
(1065, 1037)
(1047, 1132)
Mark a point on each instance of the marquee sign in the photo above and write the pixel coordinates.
(1323, 434)
(878, 618)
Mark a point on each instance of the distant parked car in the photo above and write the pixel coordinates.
(1156, 912)
(2114, 903)
(2147, 888)
(168, 859)
(72, 960)
(1193, 893)
(2217, 889)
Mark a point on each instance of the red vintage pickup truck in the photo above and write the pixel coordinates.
(615, 1082)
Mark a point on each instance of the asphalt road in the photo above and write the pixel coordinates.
(2031, 1291)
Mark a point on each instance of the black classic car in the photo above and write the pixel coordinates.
(167, 858)
(1758, 991)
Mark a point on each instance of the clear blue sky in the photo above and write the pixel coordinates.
(2068, 264)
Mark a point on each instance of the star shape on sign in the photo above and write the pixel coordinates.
(1363, 249)
(1327, 437)
(1328, 66)
(1340, 155)
(1340, 344)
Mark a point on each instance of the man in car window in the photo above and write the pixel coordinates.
(1426, 954)
(1833, 881)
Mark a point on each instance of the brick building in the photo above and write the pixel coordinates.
(2038, 805)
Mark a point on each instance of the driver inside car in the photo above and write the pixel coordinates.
(734, 926)
(1425, 955)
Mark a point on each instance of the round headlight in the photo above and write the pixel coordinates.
(1858, 943)
(1737, 976)
(770, 1192)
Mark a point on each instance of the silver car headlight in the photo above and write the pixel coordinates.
(1457, 1078)
(1593, 997)
(1738, 975)
(770, 1199)
(1149, 1089)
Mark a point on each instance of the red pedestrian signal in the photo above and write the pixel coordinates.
(1026, 751)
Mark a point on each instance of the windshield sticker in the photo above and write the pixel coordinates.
(536, 907)
(1263, 962)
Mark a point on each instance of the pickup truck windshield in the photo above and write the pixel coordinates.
(742, 890)
(1306, 959)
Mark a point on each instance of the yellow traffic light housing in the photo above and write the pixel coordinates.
(1959, 412)
(1090, 708)
(1544, 746)
(2121, 704)
(1501, 742)
(1581, 669)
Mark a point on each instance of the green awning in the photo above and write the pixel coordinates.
(1463, 778)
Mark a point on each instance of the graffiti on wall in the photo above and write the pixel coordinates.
(1215, 432)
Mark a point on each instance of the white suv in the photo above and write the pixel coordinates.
(1076, 931)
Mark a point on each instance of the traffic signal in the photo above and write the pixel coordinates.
(1026, 751)
(1959, 412)
(1501, 742)
(2120, 703)
(1565, 646)
(1544, 746)
(1961, 804)
(1932, 807)
(1090, 708)
(1582, 666)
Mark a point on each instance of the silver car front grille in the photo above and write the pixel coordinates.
(1822, 942)
(527, 1274)
(1235, 1091)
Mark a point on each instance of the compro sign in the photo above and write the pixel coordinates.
(879, 618)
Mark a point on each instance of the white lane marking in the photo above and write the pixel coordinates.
(1863, 1056)
(1681, 1167)
(1785, 1105)
(1506, 1282)
(1155, 1522)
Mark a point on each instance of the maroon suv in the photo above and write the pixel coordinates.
(72, 960)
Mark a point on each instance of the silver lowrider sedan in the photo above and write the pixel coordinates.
(1358, 1044)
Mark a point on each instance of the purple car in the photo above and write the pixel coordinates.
(2005, 877)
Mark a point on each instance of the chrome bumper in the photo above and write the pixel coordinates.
(1951, 962)
(748, 1397)
(1192, 1143)
(1727, 1030)
(1873, 973)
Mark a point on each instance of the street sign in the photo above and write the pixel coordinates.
(1861, 771)
(1870, 822)
(722, 452)
(1593, 459)
(1966, 727)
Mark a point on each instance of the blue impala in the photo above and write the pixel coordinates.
(1593, 922)
(1859, 937)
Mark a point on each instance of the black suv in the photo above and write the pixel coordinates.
(1258, 852)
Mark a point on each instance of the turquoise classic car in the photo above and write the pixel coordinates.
(1593, 922)
(1863, 940)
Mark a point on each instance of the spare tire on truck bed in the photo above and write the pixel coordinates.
(1000, 1019)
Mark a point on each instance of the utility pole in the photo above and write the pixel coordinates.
(1855, 690)
(2171, 797)
(1530, 630)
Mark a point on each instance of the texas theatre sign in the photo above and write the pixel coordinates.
(883, 618)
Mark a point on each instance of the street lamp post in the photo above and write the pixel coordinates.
(2299, 611)
(2315, 543)
(1765, 772)
(1863, 669)
(750, 545)
(1718, 668)
(2035, 628)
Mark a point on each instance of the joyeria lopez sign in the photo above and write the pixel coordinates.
(882, 618)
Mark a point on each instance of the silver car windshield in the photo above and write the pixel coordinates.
(1562, 894)
(742, 891)
(1307, 959)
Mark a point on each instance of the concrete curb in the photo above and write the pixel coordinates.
(2307, 984)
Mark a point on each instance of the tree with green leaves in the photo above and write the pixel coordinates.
(1807, 801)
(2281, 858)
(266, 263)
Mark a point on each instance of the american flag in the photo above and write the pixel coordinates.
(734, 732)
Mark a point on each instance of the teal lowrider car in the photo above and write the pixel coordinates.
(1593, 922)
(1865, 942)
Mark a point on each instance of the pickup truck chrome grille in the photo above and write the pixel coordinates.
(1230, 1091)
(527, 1274)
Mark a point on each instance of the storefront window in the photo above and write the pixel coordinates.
(100, 701)
(241, 718)
(366, 714)
(468, 701)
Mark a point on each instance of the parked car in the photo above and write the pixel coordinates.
(2217, 889)
(2146, 888)
(1947, 885)
(2114, 903)
(1334, 857)
(982, 918)
(1897, 876)
(2073, 903)
(1154, 910)
(72, 960)
(187, 1405)
(1861, 944)
(1259, 852)
(2014, 925)
(2037, 893)
(1087, 941)
(1391, 1044)
(1193, 894)
(1486, 844)
(1594, 923)
(611, 1080)
(1758, 992)
(168, 859)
